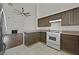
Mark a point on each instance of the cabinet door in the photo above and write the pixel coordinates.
(31, 38)
(76, 16)
(67, 18)
(71, 17)
(43, 22)
(64, 19)
(56, 16)
(69, 43)
(43, 37)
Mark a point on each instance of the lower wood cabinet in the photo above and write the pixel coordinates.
(12, 40)
(31, 38)
(34, 37)
(70, 43)
(43, 37)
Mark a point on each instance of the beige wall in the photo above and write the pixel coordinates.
(21, 23)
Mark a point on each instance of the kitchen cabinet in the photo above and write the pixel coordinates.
(12, 40)
(43, 37)
(76, 16)
(56, 16)
(44, 22)
(31, 38)
(67, 18)
(70, 17)
(70, 43)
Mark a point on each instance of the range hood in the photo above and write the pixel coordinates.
(54, 21)
(55, 24)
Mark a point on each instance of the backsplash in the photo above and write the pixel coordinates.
(63, 28)
(43, 28)
(70, 28)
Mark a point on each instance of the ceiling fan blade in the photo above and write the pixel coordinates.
(26, 13)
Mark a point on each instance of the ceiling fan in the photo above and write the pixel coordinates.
(20, 12)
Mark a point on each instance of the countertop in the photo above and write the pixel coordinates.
(71, 32)
(47, 29)
(63, 32)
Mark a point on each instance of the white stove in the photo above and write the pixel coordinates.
(53, 37)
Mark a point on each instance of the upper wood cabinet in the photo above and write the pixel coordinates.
(70, 17)
(67, 18)
(76, 16)
(44, 22)
(56, 16)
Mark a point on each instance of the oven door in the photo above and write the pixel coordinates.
(53, 37)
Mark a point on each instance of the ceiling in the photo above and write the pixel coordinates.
(45, 9)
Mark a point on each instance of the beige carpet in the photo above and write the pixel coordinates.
(36, 49)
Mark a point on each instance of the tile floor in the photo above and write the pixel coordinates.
(36, 49)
